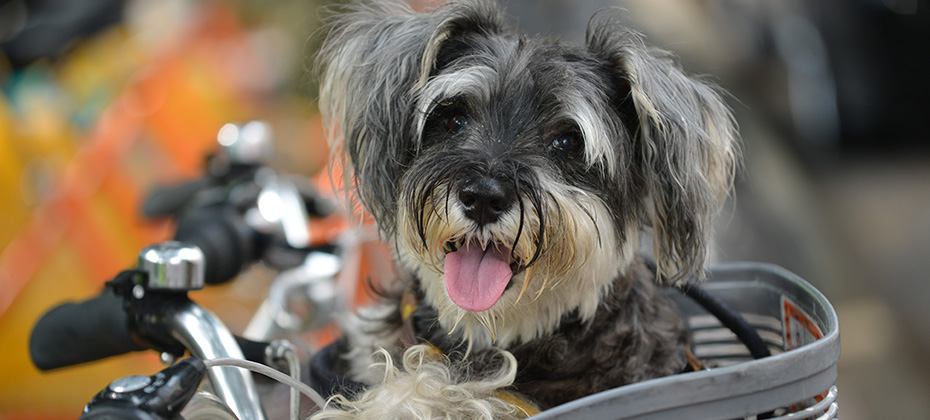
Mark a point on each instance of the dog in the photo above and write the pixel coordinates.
(514, 178)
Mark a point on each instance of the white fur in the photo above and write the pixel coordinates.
(428, 387)
(598, 146)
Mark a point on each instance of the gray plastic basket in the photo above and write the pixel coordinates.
(796, 382)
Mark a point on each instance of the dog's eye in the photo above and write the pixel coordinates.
(567, 143)
(456, 123)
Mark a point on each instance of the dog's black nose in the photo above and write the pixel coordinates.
(485, 199)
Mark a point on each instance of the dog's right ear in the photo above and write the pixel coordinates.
(687, 142)
(375, 58)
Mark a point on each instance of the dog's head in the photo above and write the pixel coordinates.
(515, 174)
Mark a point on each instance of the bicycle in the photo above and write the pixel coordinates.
(789, 318)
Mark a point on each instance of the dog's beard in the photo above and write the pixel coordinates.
(560, 244)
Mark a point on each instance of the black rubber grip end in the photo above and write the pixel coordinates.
(75, 333)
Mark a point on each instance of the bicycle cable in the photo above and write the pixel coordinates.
(271, 373)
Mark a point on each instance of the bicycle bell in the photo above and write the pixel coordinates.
(173, 266)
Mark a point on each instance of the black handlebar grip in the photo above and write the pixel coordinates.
(228, 244)
(74, 333)
(170, 200)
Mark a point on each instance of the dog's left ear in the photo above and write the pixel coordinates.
(376, 57)
(687, 142)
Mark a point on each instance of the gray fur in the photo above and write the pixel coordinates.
(691, 145)
(599, 141)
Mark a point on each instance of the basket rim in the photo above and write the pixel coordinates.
(802, 372)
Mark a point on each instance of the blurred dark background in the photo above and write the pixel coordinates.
(831, 98)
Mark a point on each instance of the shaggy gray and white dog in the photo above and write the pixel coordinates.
(514, 177)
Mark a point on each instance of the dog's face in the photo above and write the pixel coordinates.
(515, 175)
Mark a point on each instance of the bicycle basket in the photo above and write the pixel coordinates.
(796, 382)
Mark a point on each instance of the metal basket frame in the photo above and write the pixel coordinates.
(741, 390)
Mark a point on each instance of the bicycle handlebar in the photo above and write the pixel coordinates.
(227, 243)
(74, 333)
(62, 337)
(96, 329)
(170, 200)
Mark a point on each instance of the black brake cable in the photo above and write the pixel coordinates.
(728, 317)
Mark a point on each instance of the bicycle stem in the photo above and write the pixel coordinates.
(206, 337)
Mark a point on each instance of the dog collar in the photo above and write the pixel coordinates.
(692, 363)
(408, 305)
(408, 337)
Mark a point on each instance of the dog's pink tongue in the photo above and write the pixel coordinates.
(476, 279)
